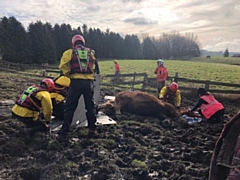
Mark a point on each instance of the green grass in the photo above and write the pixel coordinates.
(216, 69)
(138, 163)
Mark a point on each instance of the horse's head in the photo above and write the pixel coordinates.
(185, 111)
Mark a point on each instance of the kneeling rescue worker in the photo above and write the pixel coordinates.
(210, 108)
(171, 94)
(31, 102)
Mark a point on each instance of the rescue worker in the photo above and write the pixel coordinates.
(161, 74)
(77, 64)
(171, 94)
(34, 107)
(210, 108)
(58, 96)
(117, 69)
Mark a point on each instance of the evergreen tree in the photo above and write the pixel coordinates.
(63, 38)
(43, 44)
(226, 53)
(149, 51)
(15, 44)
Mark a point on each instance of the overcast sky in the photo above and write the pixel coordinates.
(215, 22)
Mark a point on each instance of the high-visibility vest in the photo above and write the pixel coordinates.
(82, 61)
(28, 98)
(162, 73)
(211, 107)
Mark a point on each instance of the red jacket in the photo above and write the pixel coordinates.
(211, 107)
(162, 73)
(117, 67)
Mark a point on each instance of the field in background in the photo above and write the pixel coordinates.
(214, 69)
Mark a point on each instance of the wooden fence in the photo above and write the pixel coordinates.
(128, 80)
(185, 83)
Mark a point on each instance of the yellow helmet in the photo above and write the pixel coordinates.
(115, 61)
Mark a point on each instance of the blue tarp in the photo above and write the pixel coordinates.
(192, 120)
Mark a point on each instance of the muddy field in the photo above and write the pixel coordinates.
(139, 148)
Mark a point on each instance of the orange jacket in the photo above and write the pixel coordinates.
(162, 73)
(117, 67)
(211, 107)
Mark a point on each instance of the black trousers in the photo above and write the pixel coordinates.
(36, 126)
(77, 88)
(215, 118)
(58, 109)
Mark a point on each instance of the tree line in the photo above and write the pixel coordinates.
(44, 43)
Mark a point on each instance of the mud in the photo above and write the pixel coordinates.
(139, 148)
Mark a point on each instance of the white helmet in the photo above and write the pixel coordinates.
(160, 61)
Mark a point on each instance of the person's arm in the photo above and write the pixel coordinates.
(162, 92)
(199, 103)
(165, 73)
(97, 69)
(64, 62)
(155, 72)
(178, 98)
(46, 102)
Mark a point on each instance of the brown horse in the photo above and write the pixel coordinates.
(139, 103)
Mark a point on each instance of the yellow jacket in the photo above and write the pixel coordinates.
(164, 91)
(65, 66)
(46, 102)
(63, 81)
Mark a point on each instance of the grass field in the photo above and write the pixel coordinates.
(214, 69)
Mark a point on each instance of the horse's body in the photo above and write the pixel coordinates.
(139, 103)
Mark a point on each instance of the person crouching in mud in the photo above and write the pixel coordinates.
(210, 108)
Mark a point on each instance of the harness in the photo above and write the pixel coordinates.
(82, 62)
(60, 90)
(169, 96)
(28, 98)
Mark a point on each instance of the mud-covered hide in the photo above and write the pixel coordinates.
(139, 103)
(226, 152)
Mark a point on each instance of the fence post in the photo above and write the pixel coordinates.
(133, 83)
(145, 81)
(176, 77)
(207, 85)
(44, 73)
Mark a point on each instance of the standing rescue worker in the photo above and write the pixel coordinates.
(117, 69)
(161, 74)
(77, 64)
(171, 94)
(210, 108)
(58, 96)
(31, 102)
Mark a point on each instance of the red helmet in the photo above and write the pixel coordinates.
(77, 38)
(173, 86)
(49, 83)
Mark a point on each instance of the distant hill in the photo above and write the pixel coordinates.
(216, 53)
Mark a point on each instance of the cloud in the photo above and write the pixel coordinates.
(209, 20)
(140, 21)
